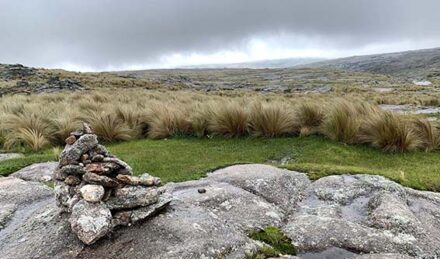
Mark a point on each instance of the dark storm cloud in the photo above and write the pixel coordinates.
(102, 33)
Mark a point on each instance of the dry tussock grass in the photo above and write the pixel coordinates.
(38, 121)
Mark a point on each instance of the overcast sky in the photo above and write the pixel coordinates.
(93, 35)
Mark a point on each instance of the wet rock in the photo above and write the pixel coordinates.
(92, 193)
(90, 221)
(40, 172)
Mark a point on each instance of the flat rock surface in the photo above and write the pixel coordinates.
(7, 156)
(343, 216)
(40, 172)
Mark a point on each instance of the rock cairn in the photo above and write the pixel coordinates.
(99, 190)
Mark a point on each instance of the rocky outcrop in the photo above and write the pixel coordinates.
(360, 216)
(40, 172)
(15, 71)
(99, 190)
(7, 156)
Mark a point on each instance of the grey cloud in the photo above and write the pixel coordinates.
(103, 33)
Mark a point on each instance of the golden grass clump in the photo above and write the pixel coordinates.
(271, 120)
(228, 119)
(342, 122)
(30, 138)
(166, 120)
(136, 118)
(388, 131)
(200, 117)
(39, 121)
(309, 116)
(27, 129)
(427, 133)
(63, 124)
(107, 125)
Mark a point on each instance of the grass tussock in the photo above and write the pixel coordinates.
(342, 122)
(229, 119)
(309, 116)
(165, 121)
(272, 120)
(38, 121)
(427, 133)
(108, 126)
(389, 132)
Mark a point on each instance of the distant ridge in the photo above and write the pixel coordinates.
(273, 63)
(414, 62)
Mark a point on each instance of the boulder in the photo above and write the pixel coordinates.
(90, 221)
(40, 172)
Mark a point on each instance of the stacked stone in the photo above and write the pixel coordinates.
(99, 190)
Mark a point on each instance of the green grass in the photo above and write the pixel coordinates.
(181, 159)
(13, 165)
(276, 239)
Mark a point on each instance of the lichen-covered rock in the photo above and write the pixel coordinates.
(40, 172)
(72, 154)
(132, 197)
(144, 179)
(90, 221)
(331, 218)
(127, 217)
(72, 180)
(100, 180)
(7, 156)
(71, 170)
(92, 192)
(87, 172)
(282, 187)
(18, 196)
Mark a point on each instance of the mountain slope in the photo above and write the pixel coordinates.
(416, 63)
(272, 63)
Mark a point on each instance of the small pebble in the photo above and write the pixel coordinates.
(201, 190)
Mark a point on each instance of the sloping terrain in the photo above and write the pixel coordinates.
(271, 63)
(416, 63)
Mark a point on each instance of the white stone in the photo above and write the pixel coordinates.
(92, 192)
